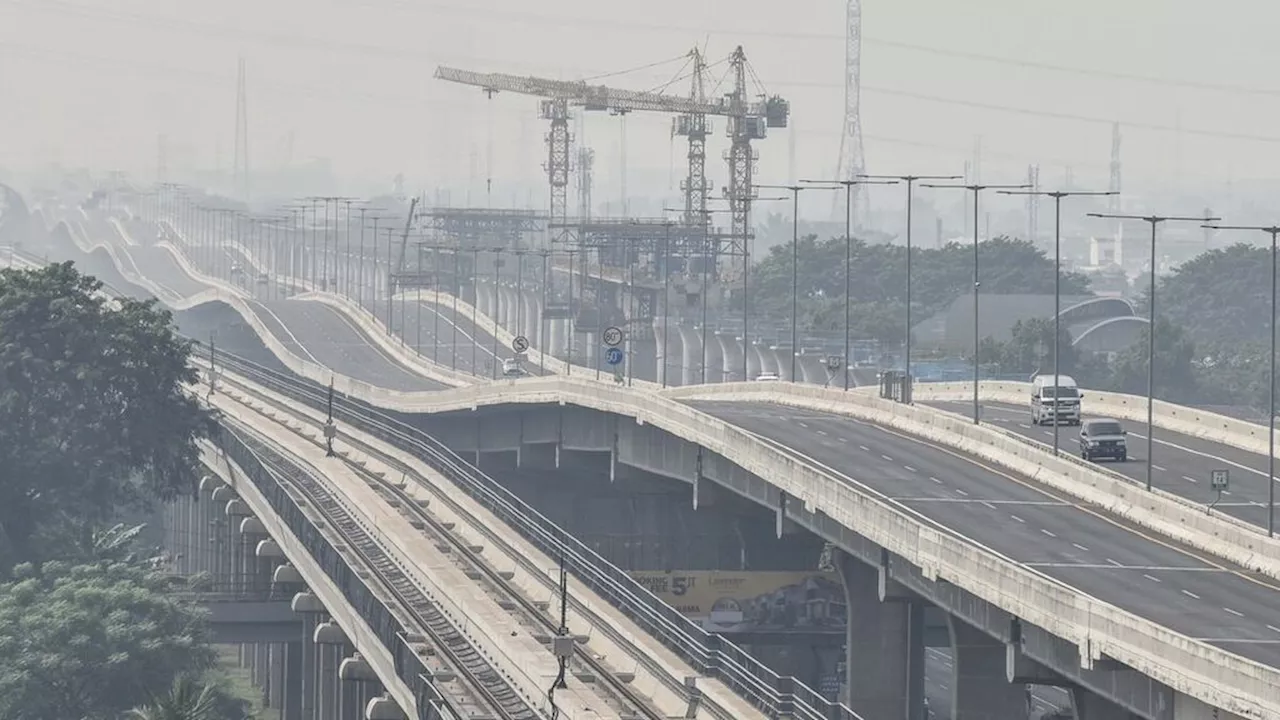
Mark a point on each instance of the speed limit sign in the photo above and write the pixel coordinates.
(612, 336)
(520, 343)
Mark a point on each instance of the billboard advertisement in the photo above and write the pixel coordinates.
(751, 601)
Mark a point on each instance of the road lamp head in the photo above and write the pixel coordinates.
(837, 184)
(1154, 219)
(909, 178)
(1058, 193)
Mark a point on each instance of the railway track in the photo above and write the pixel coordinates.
(487, 691)
(709, 656)
(535, 617)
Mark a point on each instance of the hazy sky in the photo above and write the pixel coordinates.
(92, 83)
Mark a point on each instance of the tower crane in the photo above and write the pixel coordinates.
(749, 116)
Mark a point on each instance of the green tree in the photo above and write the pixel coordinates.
(92, 641)
(878, 283)
(187, 699)
(94, 417)
(1221, 297)
(1030, 349)
(1175, 376)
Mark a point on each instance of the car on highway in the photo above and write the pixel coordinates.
(1055, 399)
(1103, 438)
(512, 367)
(767, 377)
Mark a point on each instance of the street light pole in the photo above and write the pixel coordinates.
(1273, 231)
(795, 267)
(977, 365)
(910, 181)
(497, 271)
(1155, 221)
(1057, 282)
(848, 254)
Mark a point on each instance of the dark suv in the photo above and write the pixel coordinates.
(1103, 438)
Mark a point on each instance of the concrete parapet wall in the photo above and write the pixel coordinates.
(1166, 513)
(1175, 418)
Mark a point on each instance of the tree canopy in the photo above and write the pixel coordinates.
(1221, 297)
(92, 641)
(878, 282)
(93, 413)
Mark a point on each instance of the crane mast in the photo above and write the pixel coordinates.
(748, 119)
(696, 127)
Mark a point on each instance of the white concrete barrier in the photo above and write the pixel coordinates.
(1210, 426)
(1208, 673)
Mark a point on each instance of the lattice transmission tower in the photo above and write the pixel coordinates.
(852, 160)
(241, 162)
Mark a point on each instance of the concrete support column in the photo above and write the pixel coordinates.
(690, 355)
(782, 360)
(507, 308)
(329, 640)
(730, 357)
(884, 646)
(533, 318)
(293, 700)
(714, 357)
(980, 686)
(275, 681)
(556, 345)
(262, 670)
(1088, 706)
(761, 359)
(357, 684)
(309, 607)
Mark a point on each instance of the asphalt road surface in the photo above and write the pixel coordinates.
(1181, 464)
(324, 335)
(1197, 596)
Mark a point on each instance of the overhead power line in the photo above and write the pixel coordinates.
(329, 45)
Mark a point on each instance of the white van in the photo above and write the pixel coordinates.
(1055, 403)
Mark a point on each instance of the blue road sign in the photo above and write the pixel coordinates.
(613, 356)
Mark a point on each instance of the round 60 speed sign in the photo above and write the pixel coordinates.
(612, 336)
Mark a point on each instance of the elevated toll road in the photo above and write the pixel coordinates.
(1200, 597)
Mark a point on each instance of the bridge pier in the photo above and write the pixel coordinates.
(1090, 706)
(981, 689)
(358, 685)
(885, 648)
(310, 608)
(329, 642)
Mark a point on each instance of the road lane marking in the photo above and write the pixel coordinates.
(1188, 478)
(1015, 517)
(1152, 578)
(1237, 613)
(1080, 547)
(289, 332)
(1047, 532)
(887, 458)
(1190, 594)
